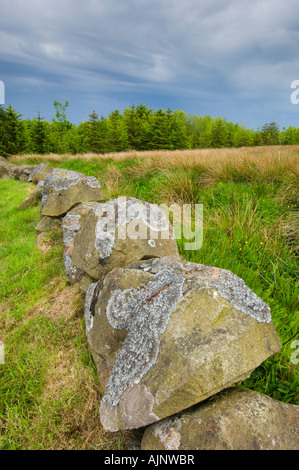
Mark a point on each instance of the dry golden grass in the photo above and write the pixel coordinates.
(189, 158)
(114, 183)
(268, 164)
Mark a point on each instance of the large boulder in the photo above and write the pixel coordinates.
(167, 334)
(64, 189)
(71, 223)
(120, 231)
(39, 173)
(236, 419)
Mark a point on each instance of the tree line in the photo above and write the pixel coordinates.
(136, 128)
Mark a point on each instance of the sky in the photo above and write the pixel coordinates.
(231, 58)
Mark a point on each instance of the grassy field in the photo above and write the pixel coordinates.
(48, 386)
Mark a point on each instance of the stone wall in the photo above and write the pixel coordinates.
(170, 338)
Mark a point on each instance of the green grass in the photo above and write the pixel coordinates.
(48, 386)
(250, 228)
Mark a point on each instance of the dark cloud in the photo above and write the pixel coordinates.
(233, 58)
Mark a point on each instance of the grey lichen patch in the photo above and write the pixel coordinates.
(168, 431)
(218, 281)
(40, 184)
(61, 180)
(233, 288)
(35, 170)
(117, 214)
(44, 198)
(70, 225)
(145, 312)
(87, 307)
(92, 181)
(73, 274)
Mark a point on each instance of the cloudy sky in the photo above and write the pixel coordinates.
(229, 58)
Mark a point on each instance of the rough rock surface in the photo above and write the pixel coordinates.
(71, 223)
(46, 224)
(236, 419)
(64, 189)
(39, 173)
(21, 172)
(167, 334)
(4, 167)
(120, 231)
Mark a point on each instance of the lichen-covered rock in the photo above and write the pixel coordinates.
(20, 172)
(236, 419)
(120, 231)
(39, 173)
(167, 334)
(71, 223)
(64, 189)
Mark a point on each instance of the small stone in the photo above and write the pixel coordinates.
(64, 189)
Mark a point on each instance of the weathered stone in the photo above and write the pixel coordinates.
(4, 167)
(39, 173)
(71, 223)
(46, 224)
(20, 172)
(120, 231)
(236, 419)
(64, 189)
(167, 335)
(33, 198)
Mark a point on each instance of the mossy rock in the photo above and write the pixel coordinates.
(167, 334)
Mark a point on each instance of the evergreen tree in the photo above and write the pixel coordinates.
(94, 141)
(177, 131)
(116, 135)
(219, 137)
(39, 135)
(2, 131)
(270, 133)
(12, 132)
(159, 131)
(145, 117)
